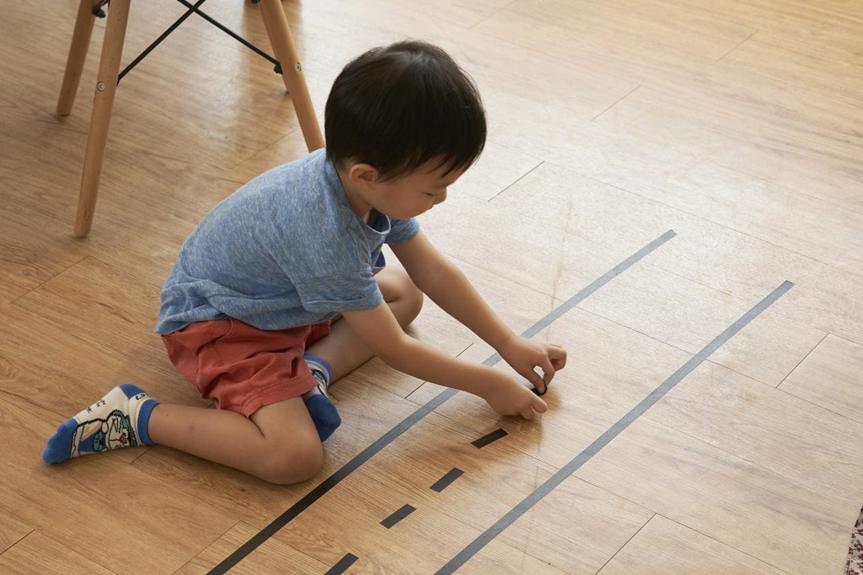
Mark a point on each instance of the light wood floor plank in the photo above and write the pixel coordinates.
(738, 503)
(734, 263)
(279, 557)
(832, 377)
(648, 25)
(38, 553)
(666, 547)
(806, 444)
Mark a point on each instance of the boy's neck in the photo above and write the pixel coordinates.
(360, 207)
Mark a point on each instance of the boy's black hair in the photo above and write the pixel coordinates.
(400, 106)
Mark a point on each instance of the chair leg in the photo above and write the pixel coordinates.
(77, 56)
(279, 32)
(103, 102)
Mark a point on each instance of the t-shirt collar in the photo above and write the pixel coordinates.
(380, 222)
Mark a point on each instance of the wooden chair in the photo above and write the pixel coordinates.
(109, 74)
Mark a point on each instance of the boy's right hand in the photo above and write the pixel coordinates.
(509, 397)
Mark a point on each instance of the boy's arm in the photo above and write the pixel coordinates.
(450, 289)
(381, 332)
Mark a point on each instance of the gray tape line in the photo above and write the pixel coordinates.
(342, 565)
(485, 537)
(590, 289)
(447, 479)
(308, 499)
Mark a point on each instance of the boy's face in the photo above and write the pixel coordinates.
(409, 195)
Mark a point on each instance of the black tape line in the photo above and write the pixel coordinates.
(489, 437)
(342, 565)
(447, 479)
(403, 512)
(484, 538)
(367, 453)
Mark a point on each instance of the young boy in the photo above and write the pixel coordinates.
(282, 289)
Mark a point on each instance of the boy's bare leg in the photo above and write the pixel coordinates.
(343, 349)
(278, 444)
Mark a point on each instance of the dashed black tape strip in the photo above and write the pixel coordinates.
(444, 481)
(403, 512)
(486, 439)
(342, 565)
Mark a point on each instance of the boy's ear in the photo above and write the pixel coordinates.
(363, 174)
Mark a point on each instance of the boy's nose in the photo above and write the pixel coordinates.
(440, 199)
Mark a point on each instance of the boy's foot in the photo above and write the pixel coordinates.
(117, 420)
(323, 412)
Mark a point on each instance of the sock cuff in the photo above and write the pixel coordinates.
(144, 421)
(315, 361)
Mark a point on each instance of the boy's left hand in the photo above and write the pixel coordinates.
(525, 355)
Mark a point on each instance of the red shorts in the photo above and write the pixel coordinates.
(244, 368)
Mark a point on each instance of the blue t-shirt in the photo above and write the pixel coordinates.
(284, 250)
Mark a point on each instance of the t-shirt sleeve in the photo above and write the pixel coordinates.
(355, 291)
(402, 230)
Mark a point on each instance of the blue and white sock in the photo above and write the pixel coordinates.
(322, 371)
(323, 412)
(119, 419)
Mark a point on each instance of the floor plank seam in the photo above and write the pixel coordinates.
(616, 102)
(517, 180)
(492, 15)
(739, 44)
(741, 551)
(142, 454)
(609, 560)
(19, 540)
(852, 340)
(805, 357)
(61, 272)
(205, 547)
(612, 493)
(819, 406)
(225, 169)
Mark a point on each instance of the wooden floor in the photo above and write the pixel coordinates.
(735, 123)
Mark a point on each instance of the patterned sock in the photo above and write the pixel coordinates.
(117, 420)
(321, 369)
(323, 412)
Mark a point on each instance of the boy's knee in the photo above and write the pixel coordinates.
(293, 464)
